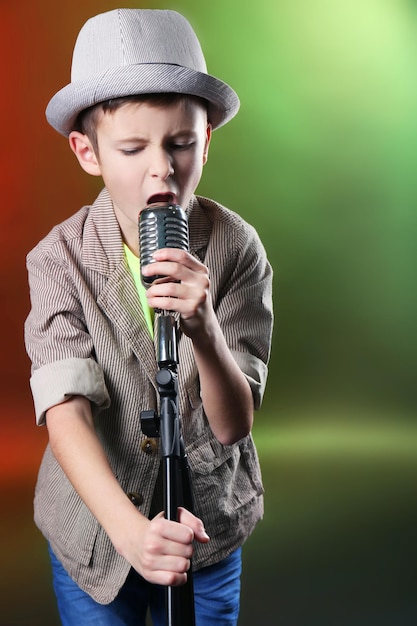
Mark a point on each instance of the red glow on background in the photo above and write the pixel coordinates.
(41, 184)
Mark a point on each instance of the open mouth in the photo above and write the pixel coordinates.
(161, 199)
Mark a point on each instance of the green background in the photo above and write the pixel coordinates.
(321, 161)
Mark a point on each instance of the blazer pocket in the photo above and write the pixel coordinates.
(225, 479)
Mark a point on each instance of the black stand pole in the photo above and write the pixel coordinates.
(177, 488)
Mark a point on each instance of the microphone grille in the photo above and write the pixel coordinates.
(161, 227)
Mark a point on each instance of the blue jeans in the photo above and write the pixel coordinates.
(216, 598)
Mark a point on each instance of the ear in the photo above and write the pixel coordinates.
(207, 144)
(84, 151)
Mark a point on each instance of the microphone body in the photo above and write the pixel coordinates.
(160, 226)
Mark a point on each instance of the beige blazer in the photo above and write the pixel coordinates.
(86, 335)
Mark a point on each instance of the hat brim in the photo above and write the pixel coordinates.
(65, 106)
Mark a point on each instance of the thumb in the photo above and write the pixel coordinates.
(195, 523)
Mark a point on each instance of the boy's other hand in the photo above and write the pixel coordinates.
(163, 553)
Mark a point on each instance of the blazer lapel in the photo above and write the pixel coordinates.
(103, 252)
(120, 301)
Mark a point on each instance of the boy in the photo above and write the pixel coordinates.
(139, 112)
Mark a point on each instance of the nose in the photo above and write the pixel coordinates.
(161, 164)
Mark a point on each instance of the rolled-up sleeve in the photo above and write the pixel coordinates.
(57, 335)
(56, 382)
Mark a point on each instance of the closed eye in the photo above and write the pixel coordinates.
(130, 151)
(183, 146)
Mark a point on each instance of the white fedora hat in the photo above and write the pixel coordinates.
(138, 51)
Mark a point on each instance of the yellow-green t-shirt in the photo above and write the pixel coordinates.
(133, 263)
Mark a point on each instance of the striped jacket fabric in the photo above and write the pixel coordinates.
(86, 335)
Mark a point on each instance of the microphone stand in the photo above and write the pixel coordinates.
(176, 479)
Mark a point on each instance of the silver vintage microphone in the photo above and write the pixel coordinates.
(160, 226)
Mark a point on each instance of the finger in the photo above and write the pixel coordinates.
(170, 563)
(167, 579)
(166, 571)
(172, 533)
(188, 519)
(169, 270)
(175, 256)
(160, 550)
(182, 285)
(178, 255)
(186, 309)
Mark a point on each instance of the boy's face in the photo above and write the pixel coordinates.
(147, 153)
